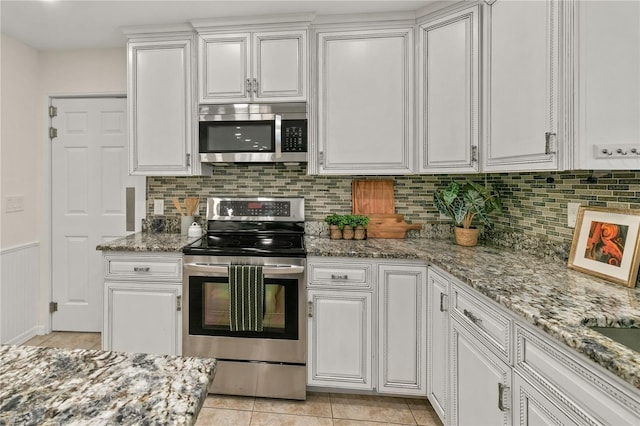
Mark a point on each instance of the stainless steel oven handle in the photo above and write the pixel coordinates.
(223, 269)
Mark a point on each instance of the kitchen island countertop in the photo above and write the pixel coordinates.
(49, 386)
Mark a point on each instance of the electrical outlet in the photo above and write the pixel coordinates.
(158, 207)
(572, 214)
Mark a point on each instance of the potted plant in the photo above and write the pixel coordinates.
(336, 224)
(464, 203)
(359, 224)
(349, 223)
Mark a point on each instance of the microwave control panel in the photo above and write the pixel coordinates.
(294, 136)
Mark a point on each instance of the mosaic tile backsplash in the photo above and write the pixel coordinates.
(535, 204)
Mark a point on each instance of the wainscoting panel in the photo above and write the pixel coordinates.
(19, 281)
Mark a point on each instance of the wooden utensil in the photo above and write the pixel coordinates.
(177, 205)
(389, 226)
(191, 205)
(372, 196)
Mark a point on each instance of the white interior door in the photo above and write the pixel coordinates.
(90, 182)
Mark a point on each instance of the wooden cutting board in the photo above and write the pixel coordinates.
(389, 226)
(372, 196)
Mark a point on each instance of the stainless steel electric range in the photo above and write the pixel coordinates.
(249, 231)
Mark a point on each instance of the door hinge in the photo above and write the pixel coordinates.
(179, 303)
(310, 309)
(53, 307)
(53, 132)
(474, 154)
(53, 111)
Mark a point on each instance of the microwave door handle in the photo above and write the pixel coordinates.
(278, 119)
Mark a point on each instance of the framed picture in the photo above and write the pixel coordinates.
(605, 244)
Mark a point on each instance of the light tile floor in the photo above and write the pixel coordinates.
(320, 409)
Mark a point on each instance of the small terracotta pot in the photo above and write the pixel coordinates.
(335, 233)
(466, 236)
(360, 233)
(347, 233)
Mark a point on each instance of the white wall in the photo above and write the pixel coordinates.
(28, 78)
(20, 138)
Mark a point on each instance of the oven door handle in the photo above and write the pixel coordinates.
(224, 269)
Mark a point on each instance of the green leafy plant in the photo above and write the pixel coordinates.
(466, 202)
(358, 220)
(339, 220)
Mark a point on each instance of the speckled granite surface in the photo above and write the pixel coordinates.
(545, 293)
(48, 386)
(148, 241)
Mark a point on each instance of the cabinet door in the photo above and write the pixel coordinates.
(609, 86)
(143, 317)
(480, 382)
(160, 107)
(339, 347)
(224, 68)
(533, 408)
(402, 329)
(521, 98)
(280, 66)
(448, 88)
(365, 102)
(438, 343)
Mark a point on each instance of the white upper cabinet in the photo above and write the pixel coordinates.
(448, 92)
(161, 107)
(364, 102)
(267, 66)
(522, 85)
(608, 85)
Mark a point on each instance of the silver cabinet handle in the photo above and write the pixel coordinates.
(550, 143)
(141, 269)
(248, 84)
(179, 303)
(477, 321)
(442, 296)
(339, 277)
(255, 86)
(503, 395)
(310, 309)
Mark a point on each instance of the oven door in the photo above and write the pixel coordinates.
(206, 330)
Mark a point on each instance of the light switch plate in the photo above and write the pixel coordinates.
(14, 203)
(158, 207)
(572, 214)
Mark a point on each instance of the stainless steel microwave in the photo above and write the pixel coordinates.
(255, 133)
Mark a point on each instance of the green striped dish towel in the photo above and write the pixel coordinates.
(246, 296)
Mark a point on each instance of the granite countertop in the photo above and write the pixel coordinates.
(49, 386)
(148, 242)
(560, 301)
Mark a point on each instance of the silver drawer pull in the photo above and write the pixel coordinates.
(141, 269)
(503, 397)
(339, 277)
(442, 296)
(477, 321)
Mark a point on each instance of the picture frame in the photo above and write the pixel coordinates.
(605, 244)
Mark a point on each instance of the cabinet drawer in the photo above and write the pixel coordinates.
(485, 320)
(141, 267)
(340, 274)
(577, 387)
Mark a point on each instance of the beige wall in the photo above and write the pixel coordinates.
(20, 137)
(28, 78)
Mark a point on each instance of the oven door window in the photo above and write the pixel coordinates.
(237, 136)
(209, 308)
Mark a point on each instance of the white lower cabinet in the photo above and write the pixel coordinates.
(438, 343)
(480, 381)
(532, 407)
(143, 303)
(340, 347)
(402, 327)
(357, 305)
